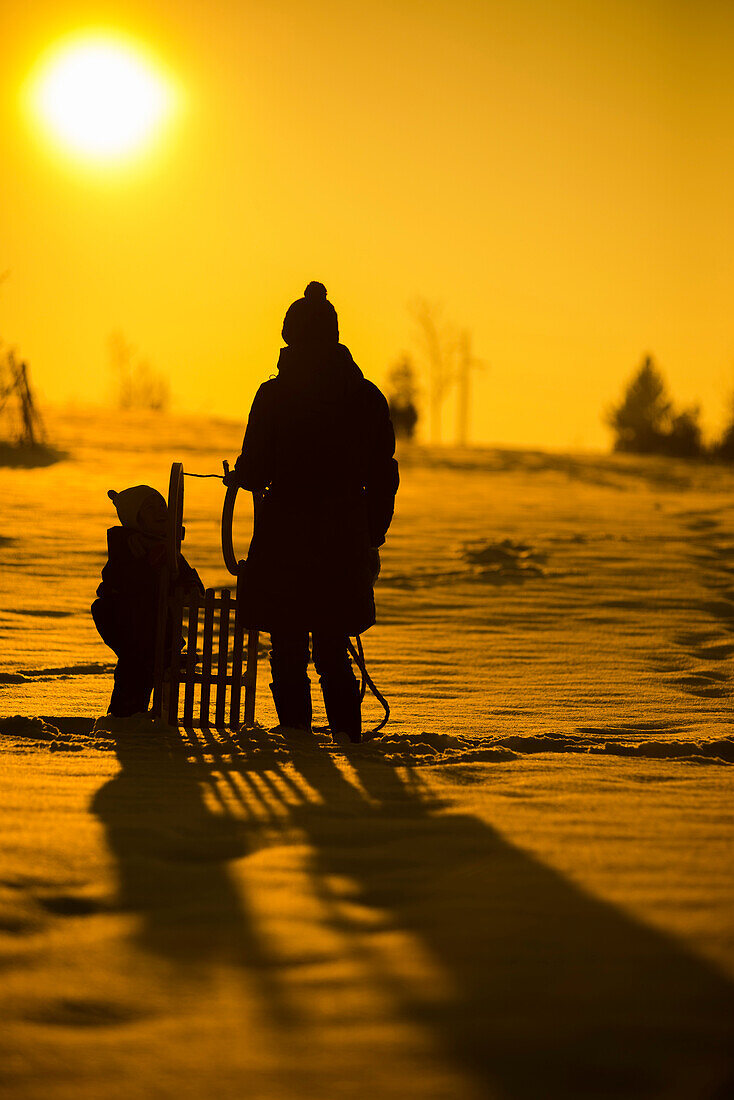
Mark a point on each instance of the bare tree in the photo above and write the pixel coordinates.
(466, 365)
(439, 345)
(138, 384)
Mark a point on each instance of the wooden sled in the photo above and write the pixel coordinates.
(207, 676)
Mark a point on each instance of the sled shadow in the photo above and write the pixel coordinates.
(172, 854)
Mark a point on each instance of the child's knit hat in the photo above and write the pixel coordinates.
(129, 502)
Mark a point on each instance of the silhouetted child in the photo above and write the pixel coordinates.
(126, 609)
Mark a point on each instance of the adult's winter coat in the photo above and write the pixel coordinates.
(319, 454)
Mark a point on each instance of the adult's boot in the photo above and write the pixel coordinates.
(293, 703)
(343, 705)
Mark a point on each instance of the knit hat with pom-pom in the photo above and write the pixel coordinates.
(311, 321)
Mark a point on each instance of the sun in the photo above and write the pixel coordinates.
(100, 96)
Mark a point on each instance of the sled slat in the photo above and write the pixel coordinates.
(236, 695)
(253, 638)
(223, 651)
(206, 657)
(192, 637)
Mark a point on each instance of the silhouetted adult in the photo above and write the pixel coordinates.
(319, 452)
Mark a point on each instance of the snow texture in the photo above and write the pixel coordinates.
(523, 889)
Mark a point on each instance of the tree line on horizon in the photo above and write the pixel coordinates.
(646, 421)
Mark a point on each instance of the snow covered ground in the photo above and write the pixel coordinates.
(524, 889)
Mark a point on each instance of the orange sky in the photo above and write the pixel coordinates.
(559, 175)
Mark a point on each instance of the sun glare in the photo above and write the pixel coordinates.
(100, 97)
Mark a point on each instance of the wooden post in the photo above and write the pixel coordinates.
(462, 391)
(26, 404)
(192, 635)
(467, 364)
(206, 657)
(223, 653)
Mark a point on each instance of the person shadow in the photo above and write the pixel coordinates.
(556, 993)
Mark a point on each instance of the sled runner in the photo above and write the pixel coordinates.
(203, 684)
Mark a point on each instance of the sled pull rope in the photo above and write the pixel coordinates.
(367, 681)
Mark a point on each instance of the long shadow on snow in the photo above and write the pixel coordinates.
(557, 994)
